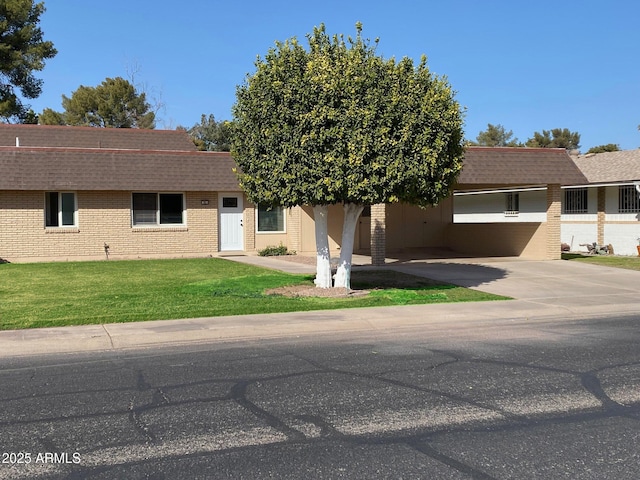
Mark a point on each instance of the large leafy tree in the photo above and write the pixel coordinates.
(334, 123)
(555, 138)
(496, 136)
(609, 147)
(22, 51)
(210, 134)
(114, 103)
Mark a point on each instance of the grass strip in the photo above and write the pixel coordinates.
(617, 261)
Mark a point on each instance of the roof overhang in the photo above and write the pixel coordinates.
(499, 167)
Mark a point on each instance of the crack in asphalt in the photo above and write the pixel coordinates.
(239, 395)
(461, 467)
(399, 383)
(418, 439)
(138, 424)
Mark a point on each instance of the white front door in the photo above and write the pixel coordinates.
(231, 228)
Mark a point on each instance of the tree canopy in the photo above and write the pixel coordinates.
(555, 138)
(114, 103)
(22, 51)
(609, 147)
(337, 123)
(210, 134)
(496, 136)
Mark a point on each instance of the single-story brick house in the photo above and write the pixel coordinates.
(72, 193)
(605, 208)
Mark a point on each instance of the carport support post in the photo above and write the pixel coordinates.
(554, 210)
(602, 215)
(378, 233)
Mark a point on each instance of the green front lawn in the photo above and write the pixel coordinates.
(630, 263)
(76, 293)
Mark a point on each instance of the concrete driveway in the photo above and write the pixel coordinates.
(560, 283)
(556, 283)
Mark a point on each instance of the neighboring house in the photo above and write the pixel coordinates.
(508, 201)
(82, 193)
(606, 209)
(71, 193)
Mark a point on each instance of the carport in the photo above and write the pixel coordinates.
(486, 168)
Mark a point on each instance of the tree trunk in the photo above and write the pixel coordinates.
(323, 256)
(352, 212)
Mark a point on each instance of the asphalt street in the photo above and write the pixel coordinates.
(543, 386)
(509, 399)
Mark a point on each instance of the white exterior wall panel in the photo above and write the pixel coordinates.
(573, 234)
(490, 208)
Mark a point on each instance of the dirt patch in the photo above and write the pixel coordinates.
(362, 283)
(309, 291)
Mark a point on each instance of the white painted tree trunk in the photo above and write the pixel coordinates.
(352, 212)
(323, 256)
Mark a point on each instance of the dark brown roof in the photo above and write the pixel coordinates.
(93, 137)
(25, 168)
(40, 168)
(502, 166)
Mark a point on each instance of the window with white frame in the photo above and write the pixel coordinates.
(511, 203)
(628, 199)
(157, 209)
(576, 200)
(270, 219)
(60, 209)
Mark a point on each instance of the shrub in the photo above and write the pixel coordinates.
(272, 251)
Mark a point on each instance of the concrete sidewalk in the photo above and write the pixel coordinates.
(541, 289)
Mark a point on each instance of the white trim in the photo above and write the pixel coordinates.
(635, 183)
(500, 190)
(284, 221)
(59, 212)
(610, 184)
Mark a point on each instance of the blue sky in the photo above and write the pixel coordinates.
(527, 66)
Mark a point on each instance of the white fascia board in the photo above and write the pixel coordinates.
(609, 184)
(499, 190)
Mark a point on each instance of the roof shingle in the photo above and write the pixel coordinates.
(93, 137)
(610, 167)
(498, 166)
(68, 158)
(24, 168)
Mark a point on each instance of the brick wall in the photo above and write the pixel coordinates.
(526, 240)
(103, 218)
(554, 211)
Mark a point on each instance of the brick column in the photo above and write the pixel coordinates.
(602, 200)
(378, 234)
(249, 225)
(216, 220)
(554, 209)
